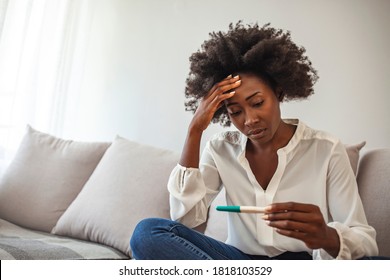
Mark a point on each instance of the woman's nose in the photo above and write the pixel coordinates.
(251, 118)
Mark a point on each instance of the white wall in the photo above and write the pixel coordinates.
(137, 62)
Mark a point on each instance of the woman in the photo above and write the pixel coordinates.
(302, 176)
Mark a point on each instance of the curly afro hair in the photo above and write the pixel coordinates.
(264, 51)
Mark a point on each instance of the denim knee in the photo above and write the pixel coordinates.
(142, 239)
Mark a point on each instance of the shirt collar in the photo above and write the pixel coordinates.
(291, 144)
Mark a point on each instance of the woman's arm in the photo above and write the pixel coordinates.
(357, 237)
(191, 188)
(202, 118)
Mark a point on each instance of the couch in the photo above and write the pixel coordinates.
(63, 199)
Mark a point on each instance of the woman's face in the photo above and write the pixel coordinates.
(254, 109)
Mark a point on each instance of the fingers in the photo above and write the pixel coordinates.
(304, 222)
(223, 87)
(290, 206)
(295, 220)
(292, 211)
(222, 91)
(213, 101)
(301, 235)
(294, 226)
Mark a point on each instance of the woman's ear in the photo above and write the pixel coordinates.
(280, 94)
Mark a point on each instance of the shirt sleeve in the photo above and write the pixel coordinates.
(192, 190)
(357, 238)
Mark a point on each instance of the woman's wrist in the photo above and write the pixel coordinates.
(332, 246)
(191, 149)
(195, 129)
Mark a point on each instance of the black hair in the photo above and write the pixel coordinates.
(264, 51)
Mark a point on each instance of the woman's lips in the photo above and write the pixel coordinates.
(256, 133)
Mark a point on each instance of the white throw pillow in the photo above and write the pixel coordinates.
(353, 151)
(128, 185)
(45, 176)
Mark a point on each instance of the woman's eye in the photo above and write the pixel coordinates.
(258, 104)
(234, 113)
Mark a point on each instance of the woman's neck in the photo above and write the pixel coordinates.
(282, 137)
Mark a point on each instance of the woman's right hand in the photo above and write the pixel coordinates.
(203, 116)
(213, 101)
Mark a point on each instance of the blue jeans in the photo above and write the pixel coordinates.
(162, 239)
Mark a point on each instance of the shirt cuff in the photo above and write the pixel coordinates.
(321, 254)
(183, 168)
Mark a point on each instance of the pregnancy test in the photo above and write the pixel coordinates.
(241, 209)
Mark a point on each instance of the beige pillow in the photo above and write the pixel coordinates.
(353, 151)
(128, 185)
(45, 176)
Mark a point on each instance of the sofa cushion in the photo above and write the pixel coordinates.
(374, 187)
(353, 151)
(217, 221)
(45, 176)
(128, 185)
(18, 243)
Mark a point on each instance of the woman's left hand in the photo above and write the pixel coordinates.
(304, 222)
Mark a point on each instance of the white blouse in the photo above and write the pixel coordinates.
(313, 168)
